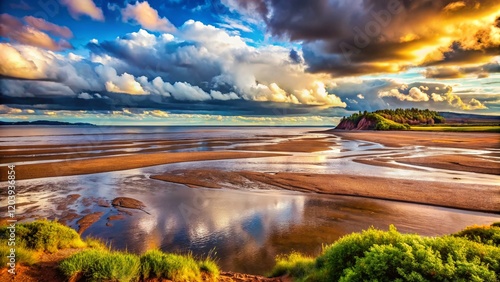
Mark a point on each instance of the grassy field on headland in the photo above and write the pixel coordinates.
(457, 128)
(470, 255)
(418, 120)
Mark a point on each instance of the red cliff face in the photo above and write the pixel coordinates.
(346, 125)
(363, 124)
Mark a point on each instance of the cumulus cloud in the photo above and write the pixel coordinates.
(124, 83)
(446, 95)
(437, 98)
(83, 7)
(210, 58)
(457, 102)
(147, 17)
(32, 33)
(15, 65)
(414, 95)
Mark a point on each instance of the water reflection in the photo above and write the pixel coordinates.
(247, 229)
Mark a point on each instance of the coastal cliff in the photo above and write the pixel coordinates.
(399, 119)
(363, 124)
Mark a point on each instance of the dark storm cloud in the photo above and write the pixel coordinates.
(295, 57)
(373, 36)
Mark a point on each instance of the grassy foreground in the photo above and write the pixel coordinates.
(95, 261)
(458, 128)
(470, 255)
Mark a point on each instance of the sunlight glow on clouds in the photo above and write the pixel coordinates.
(83, 7)
(237, 61)
(147, 17)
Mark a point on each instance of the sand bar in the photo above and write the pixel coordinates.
(469, 163)
(454, 195)
(305, 145)
(106, 164)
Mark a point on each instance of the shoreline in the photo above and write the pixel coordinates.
(463, 140)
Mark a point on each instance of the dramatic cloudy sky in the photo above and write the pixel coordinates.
(222, 62)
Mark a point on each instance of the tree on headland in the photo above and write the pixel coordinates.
(390, 119)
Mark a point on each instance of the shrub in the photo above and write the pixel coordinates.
(391, 256)
(98, 265)
(483, 234)
(44, 235)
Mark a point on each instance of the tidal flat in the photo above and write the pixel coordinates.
(249, 194)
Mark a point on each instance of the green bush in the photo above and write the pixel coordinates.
(391, 256)
(44, 235)
(99, 265)
(483, 234)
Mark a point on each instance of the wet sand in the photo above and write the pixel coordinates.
(479, 197)
(456, 162)
(466, 140)
(106, 164)
(306, 145)
(488, 163)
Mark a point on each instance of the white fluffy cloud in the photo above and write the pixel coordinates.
(210, 59)
(124, 83)
(147, 17)
(15, 65)
(414, 95)
(417, 95)
(83, 7)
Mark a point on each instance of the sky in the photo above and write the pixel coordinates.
(245, 62)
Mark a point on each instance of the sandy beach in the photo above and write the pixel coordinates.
(465, 140)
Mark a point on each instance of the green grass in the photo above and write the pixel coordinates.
(98, 265)
(41, 236)
(295, 265)
(377, 255)
(96, 262)
(102, 265)
(458, 128)
(156, 264)
(44, 235)
(23, 255)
